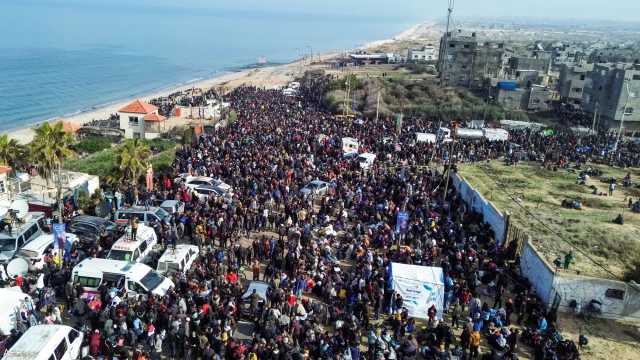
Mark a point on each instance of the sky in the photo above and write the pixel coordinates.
(623, 10)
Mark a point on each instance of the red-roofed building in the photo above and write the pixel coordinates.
(139, 120)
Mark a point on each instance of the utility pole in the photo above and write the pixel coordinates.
(624, 113)
(447, 171)
(378, 107)
(347, 95)
(445, 45)
(595, 116)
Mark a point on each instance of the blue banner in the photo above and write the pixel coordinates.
(59, 236)
(402, 222)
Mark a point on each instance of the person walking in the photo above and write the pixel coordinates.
(474, 345)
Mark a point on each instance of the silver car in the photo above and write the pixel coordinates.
(315, 188)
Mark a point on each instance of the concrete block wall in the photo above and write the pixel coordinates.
(620, 300)
(477, 202)
(540, 274)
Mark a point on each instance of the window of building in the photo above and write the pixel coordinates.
(133, 120)
(466, 46)
(136, 135)
(614, 294)
(636, 77)
(628, 111)
(452, 45)
(577, 90)
(582, 77)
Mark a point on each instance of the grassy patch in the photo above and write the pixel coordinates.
(91, 145)
(103, 162)
(591, 229)
(99, 163)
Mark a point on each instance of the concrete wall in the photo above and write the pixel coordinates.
(539, 273)
(619, 300)
(477, 202)
(583, 289)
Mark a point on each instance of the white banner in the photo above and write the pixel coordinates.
(419, 293)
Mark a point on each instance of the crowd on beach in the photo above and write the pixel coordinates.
(325, 257)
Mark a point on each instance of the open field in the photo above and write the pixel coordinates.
(590, 229)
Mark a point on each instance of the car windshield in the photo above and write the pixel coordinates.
(151, 280)
(7, 244)
(27, 253)
(119, 255)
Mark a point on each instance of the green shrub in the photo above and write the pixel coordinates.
(93, 144)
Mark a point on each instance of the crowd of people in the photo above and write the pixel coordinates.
(325, 256)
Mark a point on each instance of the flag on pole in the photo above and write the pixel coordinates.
(399, 122)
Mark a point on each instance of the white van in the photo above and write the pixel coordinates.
(47, 342)
(366, 160)
(179, 259)
(35, 250)
(134, 278)
(12, 302)
(134, 251)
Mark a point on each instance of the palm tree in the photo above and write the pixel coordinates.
(132, 160)
(11, 152)
(51, 145)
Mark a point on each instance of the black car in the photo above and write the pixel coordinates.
(92, 230)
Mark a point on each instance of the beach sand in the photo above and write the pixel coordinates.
(267, 77)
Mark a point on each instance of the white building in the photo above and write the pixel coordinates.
(426, 53)
(140, 120)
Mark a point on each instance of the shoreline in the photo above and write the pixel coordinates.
(269, 76)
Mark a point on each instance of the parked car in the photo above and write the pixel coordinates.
(91, 229)
(35, 251)
(22, 233)
(205, 191)
(178, 259)
(144, 214)
(173, 206)
(139, 251)
(315, 188)
(262, 290)
(193, 182)
(136, 278)
(47, 342)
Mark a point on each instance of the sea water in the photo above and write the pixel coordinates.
(58, 58)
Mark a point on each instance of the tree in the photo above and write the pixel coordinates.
(50, 147)
(11, 152)
(132, 160)
(232, 117)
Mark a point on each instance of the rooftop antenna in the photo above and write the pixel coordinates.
(445, 44)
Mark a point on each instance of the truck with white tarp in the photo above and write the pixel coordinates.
(420, 288)
(425, 138)
(495, 134)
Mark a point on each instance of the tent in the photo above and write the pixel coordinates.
(420, 287)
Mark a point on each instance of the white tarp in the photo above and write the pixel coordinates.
(426, 137)
(420, 287)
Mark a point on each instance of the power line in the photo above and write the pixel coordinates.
(557, 234)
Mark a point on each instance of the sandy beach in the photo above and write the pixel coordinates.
(267, 77)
